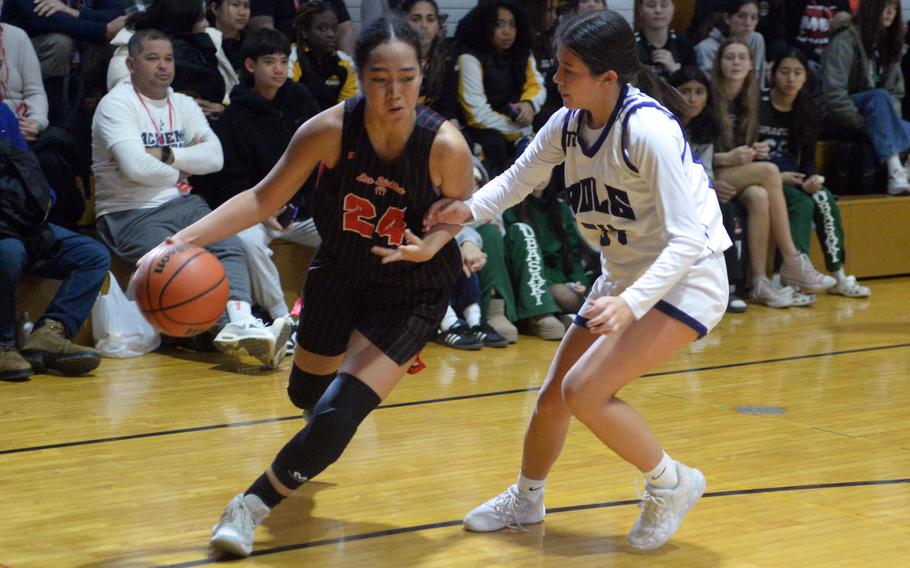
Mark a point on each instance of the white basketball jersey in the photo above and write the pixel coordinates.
(637, 193)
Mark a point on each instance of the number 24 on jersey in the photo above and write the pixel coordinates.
(359, 214)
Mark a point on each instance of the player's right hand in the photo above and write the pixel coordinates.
(447, 211)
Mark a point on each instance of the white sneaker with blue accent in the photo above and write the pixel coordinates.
(234, 532)
(510, 509)
(662, 510)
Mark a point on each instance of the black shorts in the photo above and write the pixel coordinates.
(396, 319)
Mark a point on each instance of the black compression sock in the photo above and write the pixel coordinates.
(263, 489)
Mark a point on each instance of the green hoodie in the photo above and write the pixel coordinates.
(846, 71)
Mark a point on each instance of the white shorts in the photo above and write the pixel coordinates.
(699, 299)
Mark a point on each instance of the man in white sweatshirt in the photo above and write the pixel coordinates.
(146, 141)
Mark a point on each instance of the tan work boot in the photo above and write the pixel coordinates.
(49, 348)
(12, 366)
(546, 326)
(496, 318)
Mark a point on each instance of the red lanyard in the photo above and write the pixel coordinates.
(170, 118)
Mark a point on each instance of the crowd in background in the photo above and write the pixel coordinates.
(764, 81)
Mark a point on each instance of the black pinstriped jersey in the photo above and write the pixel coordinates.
(365, 201)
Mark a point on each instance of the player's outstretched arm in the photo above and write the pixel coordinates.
(317, 140)
(452, 172)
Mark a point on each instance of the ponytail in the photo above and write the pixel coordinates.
(658, 89)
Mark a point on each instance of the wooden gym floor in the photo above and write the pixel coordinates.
(131, 466)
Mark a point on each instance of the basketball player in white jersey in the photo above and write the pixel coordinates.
(639, 195)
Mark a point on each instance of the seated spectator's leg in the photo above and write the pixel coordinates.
(13, 259)
(265, 282)
(526, 269)
(800, 209)
(568, 300)
(300, 232)
(829, 228)
(882, 123)
(55, 54)
(494, 277)
(81, 266)
(535, 304)
(736, 256)
(466, 299)
(496, 149)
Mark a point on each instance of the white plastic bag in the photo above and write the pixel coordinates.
(118, 327)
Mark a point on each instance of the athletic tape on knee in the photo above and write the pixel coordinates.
(335, 420)
(305, 389)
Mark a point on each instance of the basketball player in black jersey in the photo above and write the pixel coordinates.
(366, 317)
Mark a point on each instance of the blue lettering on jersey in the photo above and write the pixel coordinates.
(583, 198)
(605, 233)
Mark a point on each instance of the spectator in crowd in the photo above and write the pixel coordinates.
(863, 83)
(756, 183)
(22, 91)
(281, 14)
(702, 129)
(807, 25)
(788, 122)
(543, 46)
(316, 62)
(146, 140)
(56, 25)
(266, 109)
(499, 87)
(203, 71)
(585, 6)
(230, 17)
(659, 47)
(740, 19)
(20, 82)
(29, 244)
(439, 89)
(558, 241)
(470, 333)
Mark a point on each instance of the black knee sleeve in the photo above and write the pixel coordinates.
(305, 389)
(335, 420)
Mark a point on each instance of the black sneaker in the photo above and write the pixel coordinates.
(459, 336)
(488, 336)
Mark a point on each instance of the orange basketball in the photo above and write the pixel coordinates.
(182, 290)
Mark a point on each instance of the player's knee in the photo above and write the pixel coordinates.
(577, 398)
(305, 389)
(338, 414)
(550, 406)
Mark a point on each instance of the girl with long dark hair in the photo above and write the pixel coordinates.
(640, 197)
(499, 87)
(702, 129)
(383, 161)
(863, 83)
(439, 89)
(789, 124)
(739, 160)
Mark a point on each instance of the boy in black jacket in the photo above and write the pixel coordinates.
(266, 109)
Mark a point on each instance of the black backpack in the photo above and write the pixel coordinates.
(857, 170)
(25, 201)
(196, 68)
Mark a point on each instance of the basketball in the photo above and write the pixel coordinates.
(182, 290)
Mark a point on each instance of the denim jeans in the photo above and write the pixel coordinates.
(82, 265)
(889, 133)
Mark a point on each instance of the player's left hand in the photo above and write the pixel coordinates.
(415, 251)
(608, 314)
